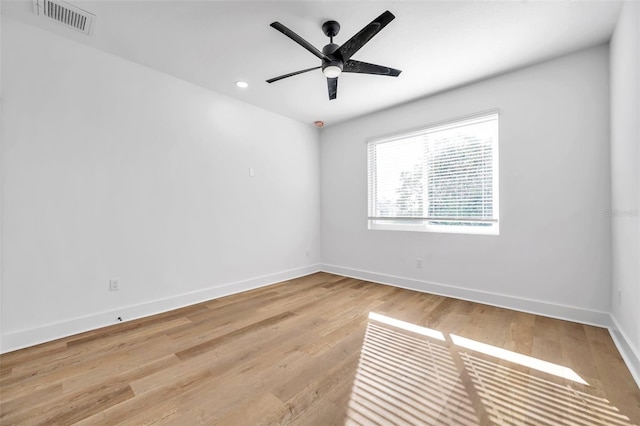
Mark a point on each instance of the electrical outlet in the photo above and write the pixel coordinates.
(114, 284)
(419, 263)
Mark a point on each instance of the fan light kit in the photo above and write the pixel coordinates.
(337, 59)
(332, 71)
(242, 84)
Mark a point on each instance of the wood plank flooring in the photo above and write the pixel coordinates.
(309, 352)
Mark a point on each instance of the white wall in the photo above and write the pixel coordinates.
(111, 169)
(552, 254)
(625, 182)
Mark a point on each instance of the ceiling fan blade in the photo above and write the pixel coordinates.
(356, 42)
(271, 80)
(332, 84)
(367, 68)
(295, 37)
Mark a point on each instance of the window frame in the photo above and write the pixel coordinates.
(426, 225)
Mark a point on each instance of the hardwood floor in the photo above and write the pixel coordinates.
(324, 350)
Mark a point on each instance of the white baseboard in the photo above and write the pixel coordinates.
(569, 313)
(24, 338)
(629, 352)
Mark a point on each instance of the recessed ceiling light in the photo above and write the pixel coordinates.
(242, 84)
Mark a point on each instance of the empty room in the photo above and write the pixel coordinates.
(320, 212)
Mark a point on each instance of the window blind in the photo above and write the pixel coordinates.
(444, 176)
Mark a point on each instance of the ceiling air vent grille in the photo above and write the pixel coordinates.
(66, 14)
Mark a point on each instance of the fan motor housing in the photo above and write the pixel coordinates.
(334, 59)
(329, 49)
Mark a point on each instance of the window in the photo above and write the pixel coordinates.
(443, 178)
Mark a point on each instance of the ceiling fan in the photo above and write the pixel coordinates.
(337, 59)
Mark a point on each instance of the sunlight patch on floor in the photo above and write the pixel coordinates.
(516, 358)
(406, 326)
(510, 395)
(413, 375)
(404, 379)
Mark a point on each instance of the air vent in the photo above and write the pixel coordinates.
(65, 13)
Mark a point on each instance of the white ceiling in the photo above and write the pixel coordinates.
(438, 45)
